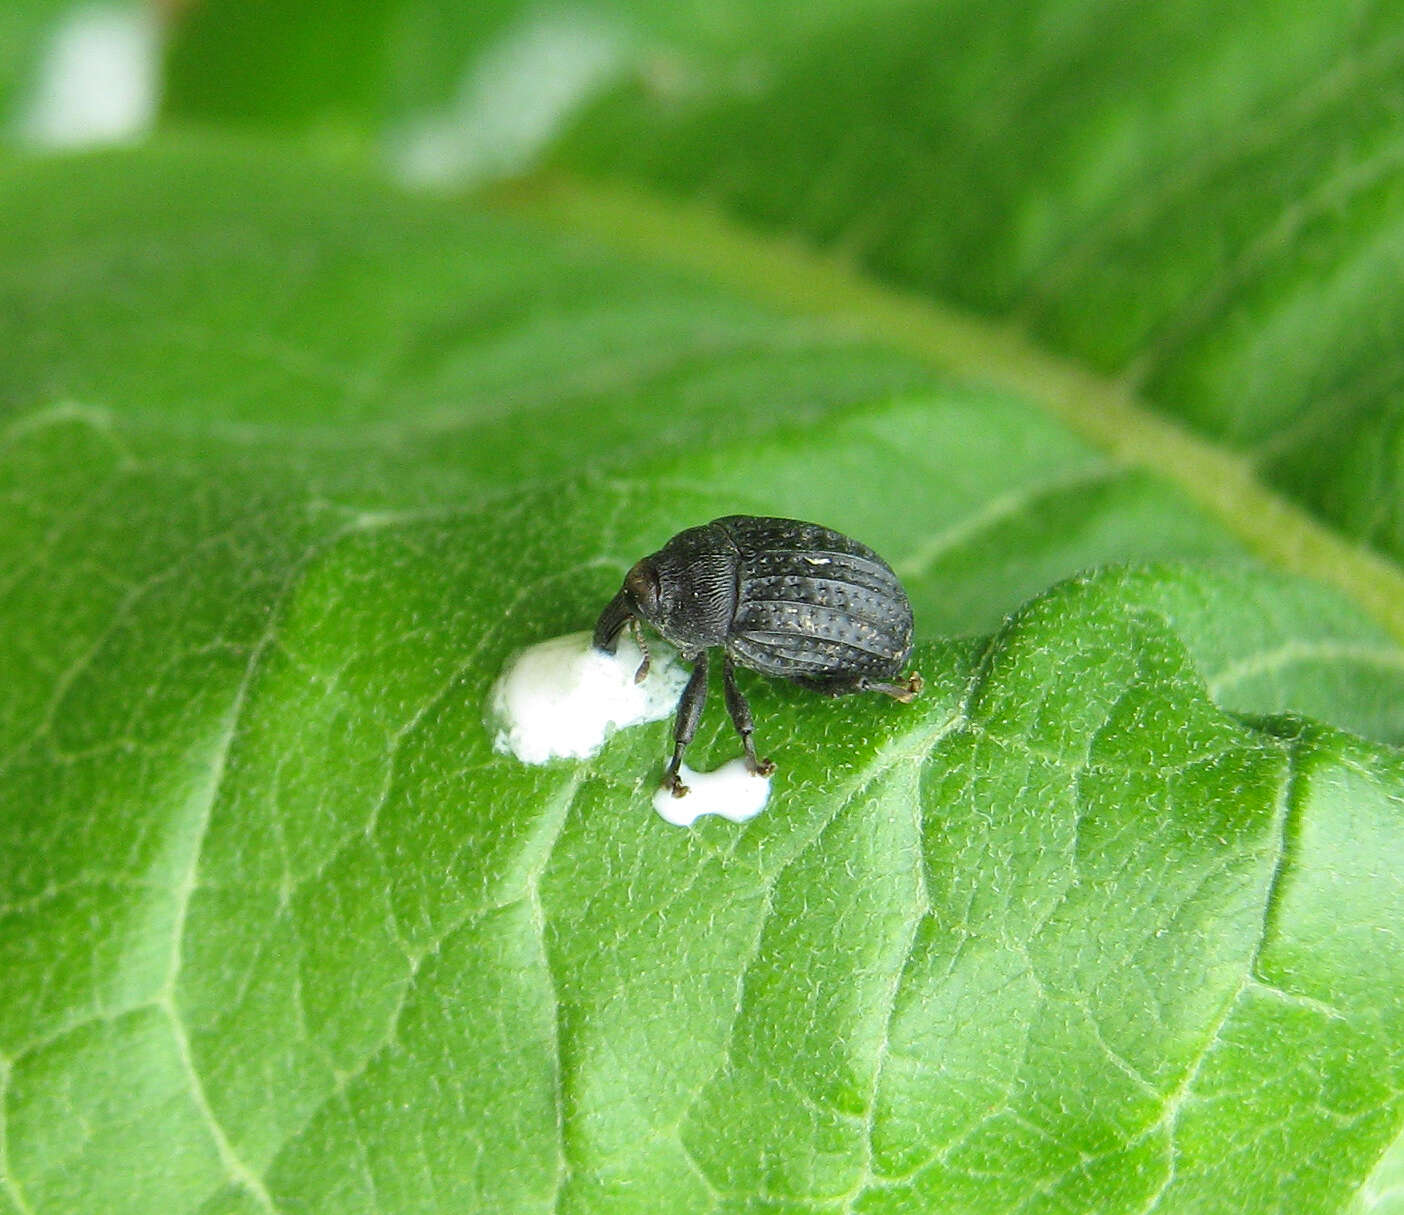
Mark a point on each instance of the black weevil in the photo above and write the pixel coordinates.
(780, 597)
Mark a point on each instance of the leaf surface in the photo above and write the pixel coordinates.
(292, 464)
(1204, 201)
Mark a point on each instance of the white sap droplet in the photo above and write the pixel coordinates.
(562, 698)
(98, 82)
(732, 791)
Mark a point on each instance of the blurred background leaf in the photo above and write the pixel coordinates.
(1202, 200)
(24, 27)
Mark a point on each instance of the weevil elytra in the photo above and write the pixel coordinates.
(779, 596)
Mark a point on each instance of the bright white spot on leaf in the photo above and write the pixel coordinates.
(513, 99)
(561, 699)
(731, 791)
(98, 81)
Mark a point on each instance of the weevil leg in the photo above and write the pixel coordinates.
(906, 691)
(685, 726)
(741, 718)
(642, 673)
(848, 685)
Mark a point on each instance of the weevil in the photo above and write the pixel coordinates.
(779, 596)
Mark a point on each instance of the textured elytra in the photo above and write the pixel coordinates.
(813, 601)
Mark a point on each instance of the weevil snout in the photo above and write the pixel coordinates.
(637, 599)
(618, 612)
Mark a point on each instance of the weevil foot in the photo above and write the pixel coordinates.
(672, 781)
(906, 691)
(755, 766)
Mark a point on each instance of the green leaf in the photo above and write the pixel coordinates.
(292, 464)
(304, 65)
(1203, 200)
(25, 25)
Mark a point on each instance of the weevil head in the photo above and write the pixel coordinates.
(692, 596)
(638, 598)
(685, 592)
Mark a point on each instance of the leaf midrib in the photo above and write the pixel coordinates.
(1102, 410)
